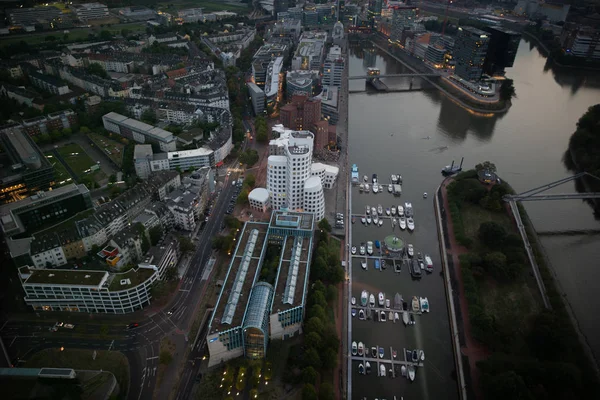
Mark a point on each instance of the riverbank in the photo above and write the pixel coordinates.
(548, 54)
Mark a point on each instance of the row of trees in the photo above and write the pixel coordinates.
(262, 130)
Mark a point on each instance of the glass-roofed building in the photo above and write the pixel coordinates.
(249, 312)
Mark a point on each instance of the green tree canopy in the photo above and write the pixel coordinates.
(492, 234)
(309, 392)
(310, 375)
(326, 391)
(324, 225)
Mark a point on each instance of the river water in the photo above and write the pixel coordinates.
(416, 134)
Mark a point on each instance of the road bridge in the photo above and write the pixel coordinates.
(430, 75)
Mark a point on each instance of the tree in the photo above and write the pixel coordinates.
(310, 375)
(67, 132)
(324, 225)
(309, 392)
(329, 359)
(148, 116)
(232, 222)
(326, 391)
(313, 340)
(312, 358)
(507, 90)
(106, 35)
(495, 263)
(491, 234)
(317, 311)
(250, 180)
(314, 324)
(125, 32)
(45, 138)
(112, 178)
(185, 244)
(506, 385)
(318, 298)
(145, 243)
(249, 157)
(98, 70)
(486, 166)
(331, 293)
(243, 197)
(155, 233)
(55, 135)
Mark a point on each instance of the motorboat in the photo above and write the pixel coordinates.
(415, 355)
(404, 305)
(428, 264)
(402, 223)
(390, 316)
(354, 175)
(424, 304)
(394, 353)
(354, 312)
(425, 195)
(410, 223)
(412, 319)
(370, 248)
(394, 179)
(368, 210)
(400, 179)
(374, 178)
(365, 178)
(452, 169)
(361, 348)
(411, 373)
(388, 211)
(422, 355)
(361, 315)
(362, 249)
(361, 369)
(393, 210)
(382, 264)
(381, 299)
(401, 211)
(372, 300)
(415, 269)
(377, 264)
(416, 305)
(405, 318)
(368, 220)
(381, 370)
(353, 301)
(363, 264)
(410, 250)
(382, 316)
(364, 296)
(375, 188)
(367, 187)
(354, 348)
(381, 352)
(379, 209)
(377, 244)
(397, 300)
(375, 220)
(353, 219)
(403, 370)
(396, 317)
(390, 188)
(419, 257)
(381, 188)
(374, 351)
(408, 210)
(387, 303)
(353, 250)
(373, 211)
(394, 222)
(368, 367)
(381, 222)
(361, 187)
(363, 220)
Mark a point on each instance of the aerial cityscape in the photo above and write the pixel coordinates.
(286, 199)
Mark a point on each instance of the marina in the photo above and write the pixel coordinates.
(389, 363)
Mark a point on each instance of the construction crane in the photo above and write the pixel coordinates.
(446, 17)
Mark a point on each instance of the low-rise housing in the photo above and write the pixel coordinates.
(138, 131)
(48, 83)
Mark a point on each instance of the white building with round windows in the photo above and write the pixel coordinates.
(314, 199)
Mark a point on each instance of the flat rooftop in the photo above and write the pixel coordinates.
(289, 290)
(241, 285)
(293, 220)
(139, 126)
(66, 277)
(26, 152)
(129, 279)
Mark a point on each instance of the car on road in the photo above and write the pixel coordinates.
(171, 311)
(69, 326)
(228, 173)
(133, 325)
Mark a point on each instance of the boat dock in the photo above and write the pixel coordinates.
(387, 310)
(387, 361)
(396, 263)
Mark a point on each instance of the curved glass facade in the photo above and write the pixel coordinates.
(256, 321)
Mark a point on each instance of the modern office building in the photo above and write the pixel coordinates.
(142, 157)
(44, 209)
(301, 83)
(25, 170)
(333, 69)
(310, 51)
(374, 8)
(403, 17)
(263, 58)
(470, 49)
(286, 28)
(329, 97)
(327, 173)
(138, 131)
(258, 98)
(250, 312)
(502, 50)
(88, 11)
(274, 81)
(436, 55)
(301, 113)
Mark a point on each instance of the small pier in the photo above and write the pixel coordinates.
(387, 310)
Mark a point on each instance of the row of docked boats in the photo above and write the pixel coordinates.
(401, 211)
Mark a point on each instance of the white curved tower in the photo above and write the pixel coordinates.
(314, 199)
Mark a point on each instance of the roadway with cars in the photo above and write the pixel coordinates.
(140, 344)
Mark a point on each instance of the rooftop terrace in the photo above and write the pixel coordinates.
(129, 279)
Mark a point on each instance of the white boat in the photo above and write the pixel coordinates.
(361, 348)
(363, 220)
(396, 317)
(405, 317)
(410, 250)
(390, 188)
(361, 314)
(401, 211)
(394, 179)
(353, 301)
(411, 373)
(381, 370)
(363, 264)
(403, 370)
(367, 187)
(370, 248)
(408, 209)
(362, 250)
(368, 210)
(353, 312)
(368, 220)
(400, 179)
(366, 178)
(387, 211)
(382, 317)
(375, 220)
(394, 222)
(373, 211)
(380, 222)
(381, 188)
(368, 367)
(375, 188)
(387, 303)
(428, 263)
(372, 300)
(425, 195)
(381, 299)
(354, 348)
(374, 178)
(398, 301)
(422, 355)
(374, 352)
(424, 304)
(361, 369)
(402, 223)
(416, 305)
(391, 316)
(410, 223)
(353, 250)
(381, 352)
(363, 298)
(361, 187)
(393, 210)
(379, 209)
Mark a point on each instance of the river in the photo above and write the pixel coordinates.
(416, 134)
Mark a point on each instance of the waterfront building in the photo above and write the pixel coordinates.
(138, 131)
(329, 104)
(87, 11)
(310, 51)
(250, 312)
(25, 170)
(327, 173)
(374, 8)
(259, 199)
(436, 55)
(258, 98)
(470, 49)
(403, 18)
(581, 41)
(502, 50)
(333, 68)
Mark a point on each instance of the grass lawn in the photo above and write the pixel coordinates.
(207, 6)
(474, 215)
(112, 148)
(112, 361)
(79, 161)
(61, 176)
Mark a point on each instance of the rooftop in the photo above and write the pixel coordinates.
(67, 277)
(289, 291)
(140, 126)
(292, 219)
(259, 194)
(129, 279)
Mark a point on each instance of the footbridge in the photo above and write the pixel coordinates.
(536, 194)
(411, 75)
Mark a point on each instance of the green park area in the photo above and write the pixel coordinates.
(529, 345)
(82, 165)
(79, 359)
(172, 7)
(112, 148)
(61, 176)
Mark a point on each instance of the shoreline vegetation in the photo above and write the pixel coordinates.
(534, 353)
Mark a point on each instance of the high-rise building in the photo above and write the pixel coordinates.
(333, 67)
(301, 113)
(310, 51)
(470, 48)
(502, 50)
(374, 11)
(258, 98)
(402, 18)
